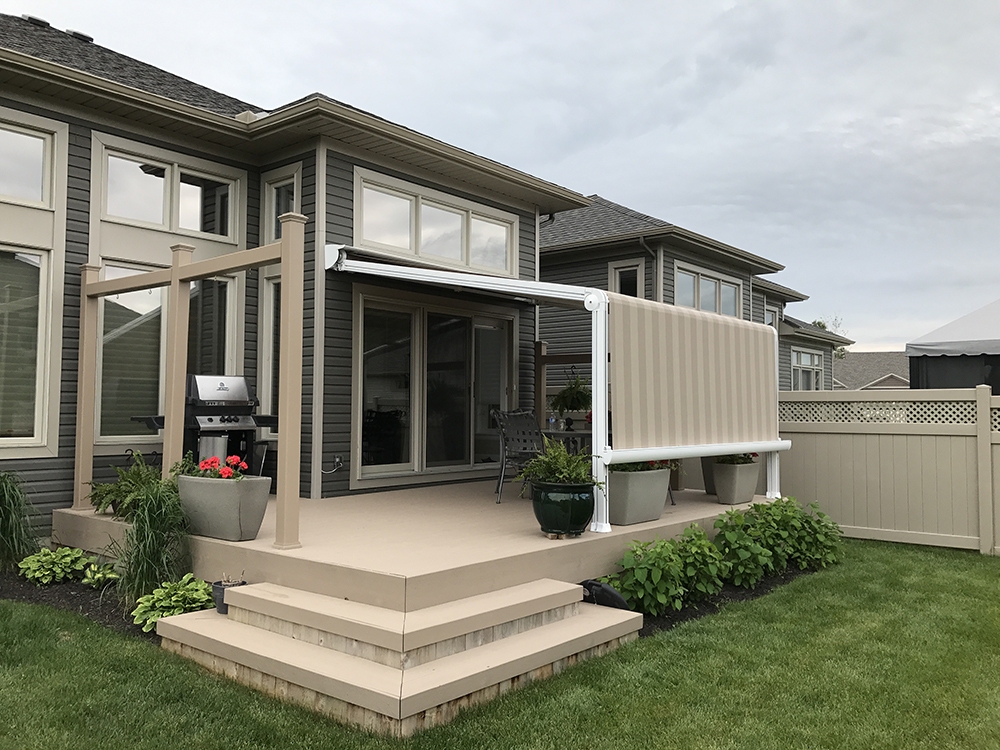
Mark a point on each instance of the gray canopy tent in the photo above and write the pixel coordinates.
(961, 354)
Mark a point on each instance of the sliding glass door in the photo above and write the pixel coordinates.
(429, 380)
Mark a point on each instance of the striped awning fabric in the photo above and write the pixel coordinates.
(684, 377)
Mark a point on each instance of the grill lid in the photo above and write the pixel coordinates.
(219, 390)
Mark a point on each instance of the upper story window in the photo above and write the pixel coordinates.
(711, 292)
(281, 189)
(771, 316)
(23, 155)
(405, 219)
(807, 370)
(627, 277)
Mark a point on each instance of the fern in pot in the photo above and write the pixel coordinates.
(562, 489)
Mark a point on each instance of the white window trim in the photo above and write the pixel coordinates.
(174, 163)
(416, 193)
(615, 268)
(773, 309)
(699, 272)
(821, 370)
(45, 443)
(393, 299)
(290, 173)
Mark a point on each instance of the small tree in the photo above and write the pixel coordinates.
(833, 324)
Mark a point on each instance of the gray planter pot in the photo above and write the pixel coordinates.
(223, 508)
(637, 496)
(736, 483)
(708, 473)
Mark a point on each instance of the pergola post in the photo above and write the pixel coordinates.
(178, 311)
(290, 380)
(86, 394)
(597, 304)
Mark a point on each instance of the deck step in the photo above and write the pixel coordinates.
(399, 639)
(388, 691)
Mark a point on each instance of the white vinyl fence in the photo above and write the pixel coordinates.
(916, 466)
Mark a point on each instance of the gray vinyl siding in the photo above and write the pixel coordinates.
(338, 332)
(49, 481)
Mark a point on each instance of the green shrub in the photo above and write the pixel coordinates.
(155, 548)
(703, 568)
(796, 536)
(651, 580)
(189, 594)
(121, 496)
(741, 548)
(55, 566)
(16, 539)
(98, 576)
(822, 542)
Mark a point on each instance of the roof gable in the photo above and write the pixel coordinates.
(602, 219)
(872, 370)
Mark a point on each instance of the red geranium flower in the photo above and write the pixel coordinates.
(225, 472)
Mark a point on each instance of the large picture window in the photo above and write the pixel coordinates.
(405, 219)
(20, 351)
(709, 292)
(807, 370)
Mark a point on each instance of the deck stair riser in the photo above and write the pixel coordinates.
(391, 671)
(399, 639)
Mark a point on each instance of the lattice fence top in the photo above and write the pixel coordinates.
(995, 420)
(884, 412)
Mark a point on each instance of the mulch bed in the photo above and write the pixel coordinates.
(105, 610)
(74, 597)
(729, 594)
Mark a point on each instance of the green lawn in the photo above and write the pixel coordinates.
(898, 647)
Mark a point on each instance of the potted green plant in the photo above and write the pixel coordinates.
(637, 492)
(562, 489)
(133, 483)
(736, 478)
(219, 500)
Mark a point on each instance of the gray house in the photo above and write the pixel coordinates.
(612, 247)
(109, 161)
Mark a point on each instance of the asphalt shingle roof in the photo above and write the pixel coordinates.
(601, 219)
(858, 369)
(810, 328)
(60, 47)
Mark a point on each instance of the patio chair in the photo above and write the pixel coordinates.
(520, 441)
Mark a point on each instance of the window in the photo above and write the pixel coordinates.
(21, 346)
(404, 219)
(24, 156)
(427, 379)
(281, 188)
(709, 292)
(132, 339)
(807, 370)
(155, 189)
(771, 316)
(627, 277)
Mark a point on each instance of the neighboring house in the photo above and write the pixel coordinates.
(612, 247)
(871, 371)
(110, 161)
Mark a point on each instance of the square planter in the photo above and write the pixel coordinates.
(224, 508)
(637, 496)
(736, 483)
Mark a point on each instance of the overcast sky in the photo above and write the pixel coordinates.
(855, 142)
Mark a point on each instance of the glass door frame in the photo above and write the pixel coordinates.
(363, 477)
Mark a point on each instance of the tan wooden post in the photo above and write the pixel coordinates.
(86, 390)
(984, 469)
(290, 380)
(175, 373)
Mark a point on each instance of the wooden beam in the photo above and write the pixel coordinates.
(178, 311)
(86, 389)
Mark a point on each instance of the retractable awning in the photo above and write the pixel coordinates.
(681, 383)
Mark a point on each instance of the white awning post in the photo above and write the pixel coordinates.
(773, 475)
(597, 303)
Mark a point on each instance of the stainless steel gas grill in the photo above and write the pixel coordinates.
(219, 418)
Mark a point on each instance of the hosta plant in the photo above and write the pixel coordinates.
(55, 566)
(99, 576)
(189, 594)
